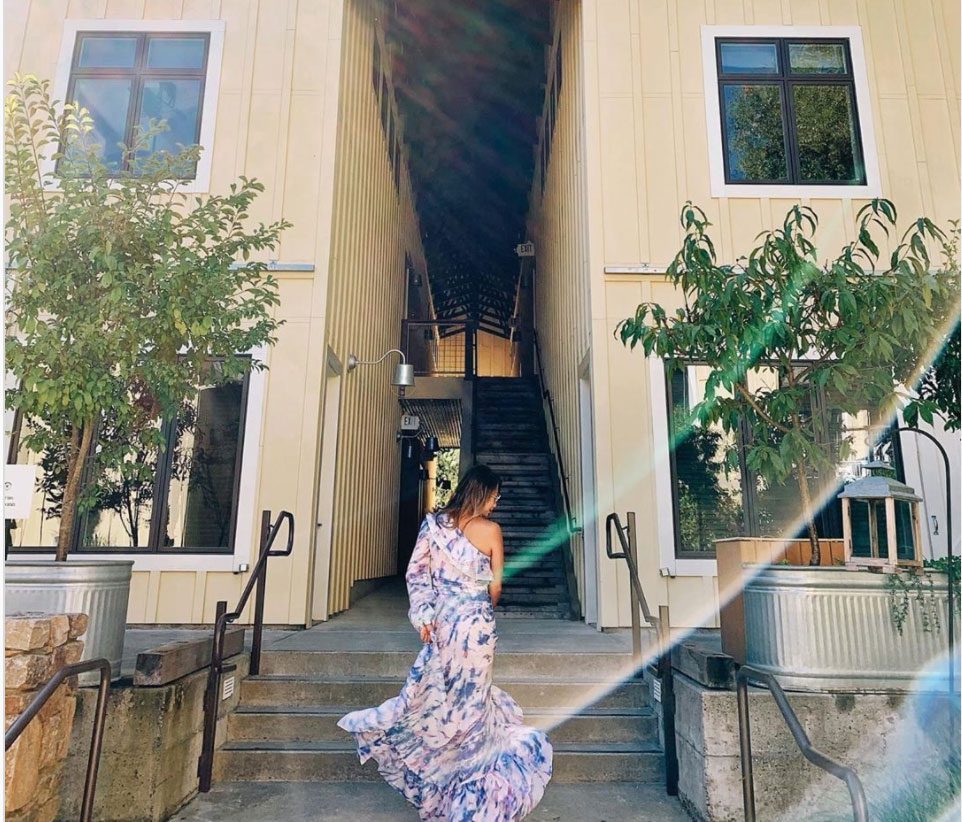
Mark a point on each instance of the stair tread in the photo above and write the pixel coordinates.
(330, 710)
(505, 682)
(348, 746)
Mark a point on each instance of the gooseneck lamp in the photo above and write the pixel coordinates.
(403, 371)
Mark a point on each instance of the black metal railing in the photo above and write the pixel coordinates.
(258, 579)
(440, 348)
(100, 715)
(911, 429)
(572, 522)
(812, 754)
(662, 661)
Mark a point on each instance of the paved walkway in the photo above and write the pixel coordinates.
(376, 802)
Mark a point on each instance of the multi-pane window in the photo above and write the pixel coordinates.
(389, 120)
(714, 493)
(182, 500)
(788, 112)
(126, 80)
(552, 101)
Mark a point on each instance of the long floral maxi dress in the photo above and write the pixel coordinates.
(452, 743)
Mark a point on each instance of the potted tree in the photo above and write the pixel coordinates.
(125, 297)
(794, 348)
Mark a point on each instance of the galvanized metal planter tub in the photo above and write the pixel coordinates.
(97, 588)
(830, 629)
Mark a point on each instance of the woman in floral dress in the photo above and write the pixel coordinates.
(452, 743)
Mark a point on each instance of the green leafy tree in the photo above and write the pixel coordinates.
(449, 461)
(850, 327)
(938, 391)
(125, 291)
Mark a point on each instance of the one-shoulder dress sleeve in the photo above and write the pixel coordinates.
(418, 579)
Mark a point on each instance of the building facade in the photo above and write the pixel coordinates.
(637, 121)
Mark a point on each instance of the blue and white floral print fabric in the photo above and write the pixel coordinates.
(452, 743)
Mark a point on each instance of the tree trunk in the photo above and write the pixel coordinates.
(809, 513)
(76, 457)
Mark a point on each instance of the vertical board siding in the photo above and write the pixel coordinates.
(373, 228)
(646, 113)
(276, 112)
(557, 223)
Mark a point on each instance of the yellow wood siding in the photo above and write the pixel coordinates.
(289, 100)
(558, 224)
(373, 228)
(648, 144)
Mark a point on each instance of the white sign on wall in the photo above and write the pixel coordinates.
(18, 483)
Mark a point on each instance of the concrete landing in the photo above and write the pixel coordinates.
(376, 802)
(378, 622)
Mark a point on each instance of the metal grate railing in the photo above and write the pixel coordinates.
(439, 348)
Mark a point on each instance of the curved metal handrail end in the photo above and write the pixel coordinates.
(821, 760)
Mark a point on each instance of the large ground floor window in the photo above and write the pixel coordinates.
(714, 493)
(182, 500)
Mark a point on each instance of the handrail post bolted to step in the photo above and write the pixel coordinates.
(258, 579)
(629, 553)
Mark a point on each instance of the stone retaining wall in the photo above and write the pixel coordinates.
(152, 741)
(37, 646)
(891, 739)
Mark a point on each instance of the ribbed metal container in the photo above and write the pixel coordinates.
(830, 629)
(97, 588)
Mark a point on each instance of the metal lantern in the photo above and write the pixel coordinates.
(881, 523)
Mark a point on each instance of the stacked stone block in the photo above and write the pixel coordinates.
(37, 646)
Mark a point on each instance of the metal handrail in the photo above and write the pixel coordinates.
(97, 737)
(258, 578)
(573, 528)
(661, 623)
(812, 754)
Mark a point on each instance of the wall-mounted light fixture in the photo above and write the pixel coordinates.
(403, 371)
(432, 446)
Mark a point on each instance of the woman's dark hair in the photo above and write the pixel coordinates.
(473, 490)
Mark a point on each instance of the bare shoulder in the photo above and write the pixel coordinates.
(484, 533)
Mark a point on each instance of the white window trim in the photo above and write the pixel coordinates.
(248, 525)
(866, 122)
(665, 525)
(208, 116)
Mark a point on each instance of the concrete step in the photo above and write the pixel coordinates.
(529, 693)
(295, 723)
(560, 612)
(511, 460)
(254, 761)
(340, 664)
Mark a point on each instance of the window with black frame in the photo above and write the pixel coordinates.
(128, 79)
(714, 493)
(789, 113)
(181, 500)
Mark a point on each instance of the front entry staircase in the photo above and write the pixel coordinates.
(284, 729)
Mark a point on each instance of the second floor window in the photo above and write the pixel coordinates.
(788, 112)
(127, 79)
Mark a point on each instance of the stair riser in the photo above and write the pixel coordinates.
(312, 766)
(398, 663)
(529, 695)
(299, 727)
